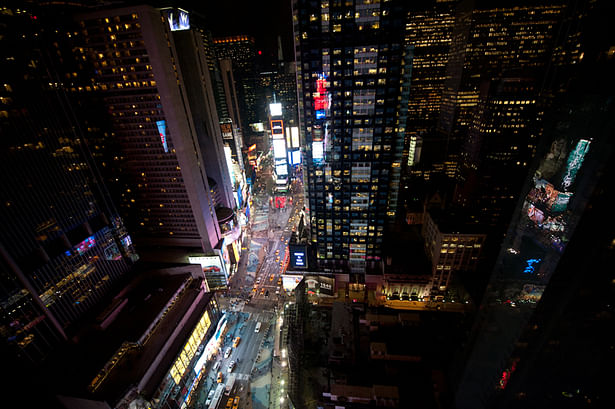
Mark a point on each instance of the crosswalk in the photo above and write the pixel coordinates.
(243, 376)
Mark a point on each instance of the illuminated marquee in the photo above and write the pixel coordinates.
(162, 130)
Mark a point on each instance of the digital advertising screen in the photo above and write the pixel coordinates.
(294, 136)
(318, 151)
(298, 256)
(275, 109)
(213, 270)
(281, 170)
(162, 131)
(279, 148)
(227, 130)
(296, 157)
(178, 19)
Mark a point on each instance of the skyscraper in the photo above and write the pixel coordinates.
(550, 240)
(428, 30)
(62, 242)
(353, 86)
(490, 41)
(166, 191)
(242, 52)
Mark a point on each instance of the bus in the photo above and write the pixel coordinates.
(230, 382)
(215, 401)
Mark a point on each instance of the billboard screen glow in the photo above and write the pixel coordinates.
(294, 135)
(281, 170)
(275, 109)
(162, 131)
(296, 158)
(277, 129)
(279, 148)
(318, 152)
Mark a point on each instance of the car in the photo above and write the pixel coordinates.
(254, 290)
(231, 366)
(229, 404)
(267, 293)
(271, 277)
(236, 341)
(262, 291)
(258, 327)
(236, 402)
(216, 366)
(279, 281)
(277, 292)
(228, 351)
(258, 280)
(209, 396)
(219, 377)
(277, 252)
(277, 259)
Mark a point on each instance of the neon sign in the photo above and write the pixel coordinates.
(530, 268)
(162, 131)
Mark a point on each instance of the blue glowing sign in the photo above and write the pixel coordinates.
(162, 130)
(299, 259)
(320, 114)
(530, 268)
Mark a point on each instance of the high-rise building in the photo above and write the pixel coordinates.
(552, 251)
(492, 40)
(165, 143)
(241, 50)
(500, 144)
(428, 30)
(353, 87)
(62, 242)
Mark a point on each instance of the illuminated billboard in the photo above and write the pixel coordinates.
(257, 127)
(295, 157)
(162, 131)
(275, 109)
(281, 170)
(294, 136)
(322, 99)
(178, 19)
(227, 130)
(279, 148)
(212, 269)
(277, 129)
(298, 256)
(318, 152)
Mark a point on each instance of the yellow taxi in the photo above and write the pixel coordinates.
(236, 341)
(277, 252)
(271, 277)
(219, 377)
(279, 281)
(263, 291)
(236, 402)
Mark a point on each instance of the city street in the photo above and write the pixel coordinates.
(255, 296)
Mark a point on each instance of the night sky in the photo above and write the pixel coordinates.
(264, 20)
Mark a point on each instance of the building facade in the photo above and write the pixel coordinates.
(353, 84)
(166, 193)
(63, 244)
